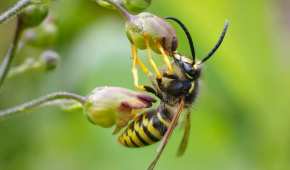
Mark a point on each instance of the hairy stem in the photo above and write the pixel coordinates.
(121, 9)
(4, 114)
(5, 65)
(14, 10)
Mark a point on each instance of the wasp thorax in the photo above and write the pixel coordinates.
(33, 15)
(153, 29)
(108, 106)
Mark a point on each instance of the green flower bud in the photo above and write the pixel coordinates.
(105, 4)
(108, 106)
(43, 36)
(50, 60)
(136, 5)
(33, 15)
(153, 28)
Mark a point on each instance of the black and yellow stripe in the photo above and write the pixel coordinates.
(146, 129)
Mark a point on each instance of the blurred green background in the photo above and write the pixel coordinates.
(240, 121)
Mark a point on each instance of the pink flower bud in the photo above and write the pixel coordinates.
(108, 106)
(155, 29)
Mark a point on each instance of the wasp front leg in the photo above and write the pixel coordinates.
(150, 59)
(137, 61)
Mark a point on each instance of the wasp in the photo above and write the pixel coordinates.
(177, 92)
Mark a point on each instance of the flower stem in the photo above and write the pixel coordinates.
(29, 64)
(4, 114)
(14, 10)
(121, 9)
(5, 65)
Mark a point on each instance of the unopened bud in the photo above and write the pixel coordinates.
(43, 36)
(108, 106)
(136, 5)
(105, 4)
(33, 15)
(148, 27)
(50, 59)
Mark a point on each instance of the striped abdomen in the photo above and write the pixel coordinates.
(146, 129)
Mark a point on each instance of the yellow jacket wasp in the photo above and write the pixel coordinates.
(176, 91)
(176, 86)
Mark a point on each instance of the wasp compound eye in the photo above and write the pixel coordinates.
(33, 15)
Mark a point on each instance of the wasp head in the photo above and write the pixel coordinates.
(187, 69)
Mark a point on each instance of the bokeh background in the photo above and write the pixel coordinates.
(240, 121)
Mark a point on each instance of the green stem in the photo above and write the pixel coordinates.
(121, 9)
(5, 65)
(4, 114)
(14, 10)
(28, 65)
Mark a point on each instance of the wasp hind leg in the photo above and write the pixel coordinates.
(137, 61)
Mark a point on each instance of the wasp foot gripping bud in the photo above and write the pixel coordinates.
(148, 27)
(108, 106)
(33, 15)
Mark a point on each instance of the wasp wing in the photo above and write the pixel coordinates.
(167, 135)
(184, 142)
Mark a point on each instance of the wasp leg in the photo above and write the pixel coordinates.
(153, 91)
(167, 135)
(165, 58)
(136, 61)
(184, 142)
(171, 76)
(150, 59)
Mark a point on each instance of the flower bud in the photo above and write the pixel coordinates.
(43, 36)
(155, 29)
(105, 4)
(50, 60)
(108, 106)
(33, 15)
(136, 5)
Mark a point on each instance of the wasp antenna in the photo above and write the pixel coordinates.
(221, 38)
(189, 38)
